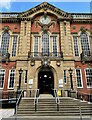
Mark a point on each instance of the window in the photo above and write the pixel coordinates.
(89, 77)
(11, 78)
(35, 45)
(76, 46)
(85, 44)
(45, 44)
(25, 76)
(5, 42)
(14, 46)
(79, 78)
(2, 75)
(54, 45)
(64, 76)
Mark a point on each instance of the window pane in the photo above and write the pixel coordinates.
(54, 45)
(5, 42)
(79, 80)
(2, 74)
(64, 76)
(14, 46)
(45, 44)
(36, 46)
(11, 78)
(85, 44)
(89, 77)
(76, 46)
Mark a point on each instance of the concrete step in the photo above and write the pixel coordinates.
(47, 107)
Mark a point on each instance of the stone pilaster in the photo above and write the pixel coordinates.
(24, 41)
(62, 36)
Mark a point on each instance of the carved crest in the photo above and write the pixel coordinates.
(6, 28)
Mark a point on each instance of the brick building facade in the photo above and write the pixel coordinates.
(45, 42)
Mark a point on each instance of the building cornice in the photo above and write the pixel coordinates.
(46, 7)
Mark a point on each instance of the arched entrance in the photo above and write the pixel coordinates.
(45, 80)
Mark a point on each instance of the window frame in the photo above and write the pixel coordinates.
(65, 76)
(25, 76)
(2, 40)
(42, 43)
(80, 76)
(13, 44)
(86, 77)
(9, 79)
(87, 41)
(76, 45)
(4, 78)
(56, 44)
(36, 46)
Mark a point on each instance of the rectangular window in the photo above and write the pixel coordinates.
(64, 76)
(11, 78)
(14, 45)
(89, 77)
(76, 46)
(2, 75)
(54, 42)
(79, 78)
(25, 76)
(36, 46)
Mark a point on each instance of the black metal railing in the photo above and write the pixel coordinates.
(86, 57)
(56, 99)
(41, 55)
(19, 94)
(4, 56)
(36, 99)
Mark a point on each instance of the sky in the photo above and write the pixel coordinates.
(84, 6)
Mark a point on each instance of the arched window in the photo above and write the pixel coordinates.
(5, 42)
(45, 43)
(85, 44)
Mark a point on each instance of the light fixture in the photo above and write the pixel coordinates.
(70, 71)
(45, 76)
(20, 71)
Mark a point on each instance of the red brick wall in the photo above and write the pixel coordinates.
(78, 26)
(83, 67)
(14, 27)
(7, 67)
(52, 28)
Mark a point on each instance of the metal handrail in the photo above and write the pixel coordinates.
(17, 101)
(36, 99)
(57, 99)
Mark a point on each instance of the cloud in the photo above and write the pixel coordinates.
(5, 4)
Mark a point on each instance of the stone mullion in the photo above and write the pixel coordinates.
(10, 45)
(90, 41)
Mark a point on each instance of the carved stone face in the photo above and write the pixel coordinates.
(45, 20)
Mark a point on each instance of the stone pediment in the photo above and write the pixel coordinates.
(45, 8)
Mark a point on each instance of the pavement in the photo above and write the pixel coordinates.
(6, 113)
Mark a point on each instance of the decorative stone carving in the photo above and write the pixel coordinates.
(6, 28)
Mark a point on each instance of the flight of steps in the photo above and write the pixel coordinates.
(48, 107)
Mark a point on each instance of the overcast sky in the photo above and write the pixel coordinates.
(68, 6)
